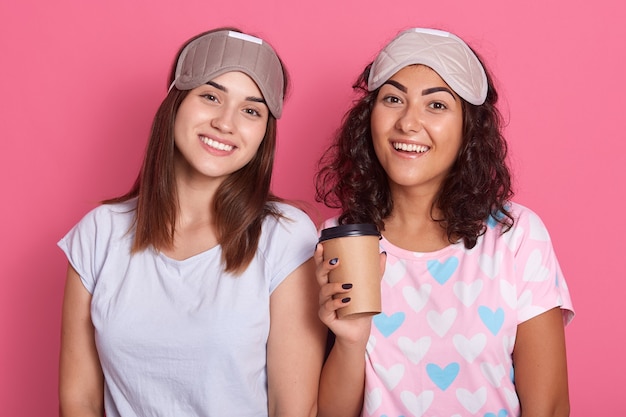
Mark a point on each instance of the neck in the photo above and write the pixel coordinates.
(411, 225)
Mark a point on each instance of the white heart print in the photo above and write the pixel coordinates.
(417, 299)
(390, 377)
(470, 348)
(472, 401)
(417, 404)
(534, 271)
(468, 292)
(394, 272)
(373, 399)
(491, 265)
(414, 350)
(441, 323)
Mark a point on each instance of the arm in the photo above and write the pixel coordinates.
(541, 367)
(81, 384)
(342, 381)
(295, 348)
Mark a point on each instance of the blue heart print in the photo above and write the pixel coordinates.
(492, 220)
(388, 324)
(501, 413)
(443, 271)
(492, 319)
(443, 377)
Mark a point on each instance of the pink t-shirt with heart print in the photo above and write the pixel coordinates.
(442, 345)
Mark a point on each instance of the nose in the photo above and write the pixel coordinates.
(410, 120)
(224, 120)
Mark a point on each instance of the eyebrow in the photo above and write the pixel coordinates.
(224, 89)
(397, 85)
(437, 89)
(425, 92)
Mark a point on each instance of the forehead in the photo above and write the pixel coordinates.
(237, 81)
(418, 73)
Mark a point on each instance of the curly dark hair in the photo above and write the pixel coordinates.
(351, 178)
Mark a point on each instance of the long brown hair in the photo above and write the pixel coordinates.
(478, 187)
(241, 202)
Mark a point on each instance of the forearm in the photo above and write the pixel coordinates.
(79, 411)
(342, 381)
(81, 382)
(73, 409)
(540, 364)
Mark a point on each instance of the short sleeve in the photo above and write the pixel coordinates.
(541, 285)
(288, 243)
(89, 243)
(78, 245)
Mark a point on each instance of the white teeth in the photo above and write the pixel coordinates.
(410, 147)
(217, 145)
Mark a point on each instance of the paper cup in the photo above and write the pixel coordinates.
(357, 248)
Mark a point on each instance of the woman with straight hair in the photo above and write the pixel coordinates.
(194, 294)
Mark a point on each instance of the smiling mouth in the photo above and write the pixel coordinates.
(410, 147)
(216, 145)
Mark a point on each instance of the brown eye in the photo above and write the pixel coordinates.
(392, 99)
(252, 112)
(438, 106)
(209, 97)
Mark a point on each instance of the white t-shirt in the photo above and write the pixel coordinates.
(182, 338)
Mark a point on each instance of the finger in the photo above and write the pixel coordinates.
(383, 263)
(328, 310)
(323, 267)
(318, 255)
(335, 290)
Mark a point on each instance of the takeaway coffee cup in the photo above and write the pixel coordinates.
(356, 247)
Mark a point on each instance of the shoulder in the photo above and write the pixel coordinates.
(291, 228)
(106, 221)
(527, 227)
(119, 214)
(286, 242)
(290, 218)
(528, 222)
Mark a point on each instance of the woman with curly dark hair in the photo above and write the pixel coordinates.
(471, 287)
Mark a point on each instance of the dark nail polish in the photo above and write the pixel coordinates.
(346, 286)
(345, 300)
(333, 261)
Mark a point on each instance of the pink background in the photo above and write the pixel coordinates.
(80, 82)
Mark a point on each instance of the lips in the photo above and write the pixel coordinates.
(216, 145)
(410, 147)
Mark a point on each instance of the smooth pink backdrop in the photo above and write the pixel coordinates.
(80, 82)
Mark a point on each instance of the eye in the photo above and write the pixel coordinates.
(252, 112)
(209, 96)
(437, 105)
(392, 99)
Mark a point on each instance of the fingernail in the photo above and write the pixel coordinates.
(333, 261)
(345, 300)
(346, 286)
(384, 252)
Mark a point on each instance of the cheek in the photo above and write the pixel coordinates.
(183, 118)
(378, 127)
(376, 120)
(253, 133)
(177, 129)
